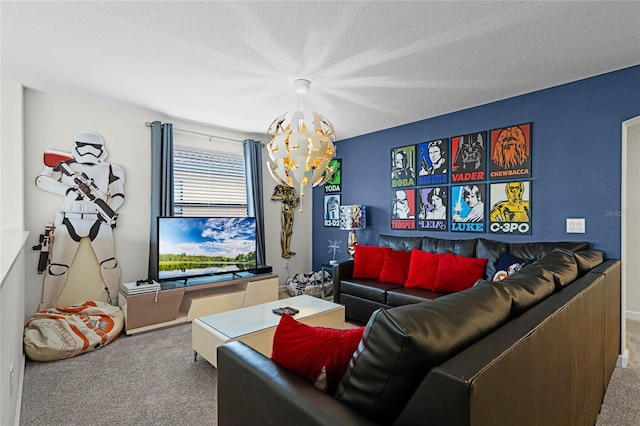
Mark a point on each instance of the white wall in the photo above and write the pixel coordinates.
(12, 238)
(51, 122)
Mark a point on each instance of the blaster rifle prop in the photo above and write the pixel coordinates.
(86, 187)
(46, 240)
(425, 165)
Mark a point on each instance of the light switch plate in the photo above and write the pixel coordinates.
(576, 226)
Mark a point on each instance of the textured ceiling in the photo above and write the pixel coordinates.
(373, 65)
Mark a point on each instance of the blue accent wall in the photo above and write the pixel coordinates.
(576, 149)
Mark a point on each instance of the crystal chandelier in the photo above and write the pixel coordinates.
(301, 150)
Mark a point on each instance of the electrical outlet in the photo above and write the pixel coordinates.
(576, 226)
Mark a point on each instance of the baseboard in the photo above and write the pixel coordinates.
(623, 360)
(19, 398)
(632, 315)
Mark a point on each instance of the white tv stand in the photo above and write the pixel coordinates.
(182, 301)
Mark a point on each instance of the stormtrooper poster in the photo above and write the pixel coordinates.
(92, 191)
(510, 152)
(510, 208)
(403, 209)
(332, 210)
(433, 162)
(334, 184)
(467, 208)
(469, 158)
(403, 166)
(432, 208)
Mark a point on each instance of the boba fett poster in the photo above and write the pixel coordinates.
(510, 208)
(403, 166)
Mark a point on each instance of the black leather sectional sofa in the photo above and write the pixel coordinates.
(537, 348)
(361, 297)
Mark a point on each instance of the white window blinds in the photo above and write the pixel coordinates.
(208, 183)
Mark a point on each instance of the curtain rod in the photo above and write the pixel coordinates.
(148, 124)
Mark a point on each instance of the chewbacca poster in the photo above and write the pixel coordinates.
(510, 154)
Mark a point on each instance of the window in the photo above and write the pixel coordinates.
(208, 183)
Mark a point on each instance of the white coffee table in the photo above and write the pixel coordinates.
(256, 325)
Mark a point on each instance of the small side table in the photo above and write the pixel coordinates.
(328, 267)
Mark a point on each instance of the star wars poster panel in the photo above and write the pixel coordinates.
(510, 152)
(403, 167)
(467, 211)
(403, 209)
(432, 208)
(433, 162)
(510, 211)
(332, 210)
(334, 184)
(469, 157)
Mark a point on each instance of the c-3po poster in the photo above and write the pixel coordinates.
(403, 209)
(469, 158)
(432, 208)
(432, 157)
(403, 166)
(510, 208)
(467, 208)
(510, 154)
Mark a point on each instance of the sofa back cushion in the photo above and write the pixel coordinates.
(490, 250)
(537, 250)
(399, 243)
(528, 287)
(400, 345)
(562, 264)
(466, 248)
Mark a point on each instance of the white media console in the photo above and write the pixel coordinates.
(183, 301)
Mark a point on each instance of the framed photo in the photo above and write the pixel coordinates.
(510, 211)
(467, 208)
(432, 208)
(334, 184)
(403, 209)
(332, 210)
(469, 158)
(403, 166)
(510, 152)
(433, 162)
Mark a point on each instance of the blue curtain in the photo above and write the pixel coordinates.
(255, 206)
(161, 185)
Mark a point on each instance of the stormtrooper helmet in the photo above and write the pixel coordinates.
(89, 147)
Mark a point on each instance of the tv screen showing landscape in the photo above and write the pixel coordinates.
(198, 246)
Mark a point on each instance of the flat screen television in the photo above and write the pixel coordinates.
(200, 246)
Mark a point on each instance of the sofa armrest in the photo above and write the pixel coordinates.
(252, 390)
(341, 271)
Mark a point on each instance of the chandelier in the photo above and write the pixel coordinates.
(301, 150)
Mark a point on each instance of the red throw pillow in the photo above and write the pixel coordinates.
(422, 269)
(310, 352)
(457, 273)
(368, 260)
(395, 268)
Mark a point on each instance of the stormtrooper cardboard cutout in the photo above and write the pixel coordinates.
(93, 191)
